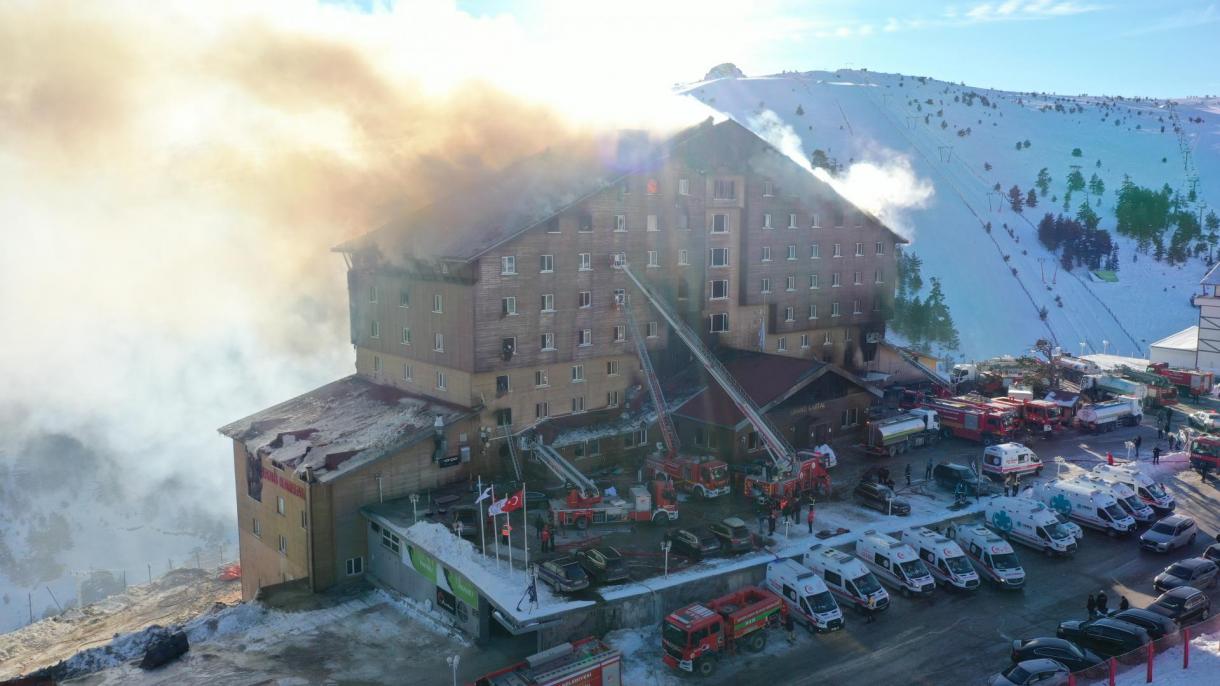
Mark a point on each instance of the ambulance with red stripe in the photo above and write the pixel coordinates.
(846, 577)
(992, 556)
(1006, 459)
(944, 557)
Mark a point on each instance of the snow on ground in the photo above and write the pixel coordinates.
(1167, 670)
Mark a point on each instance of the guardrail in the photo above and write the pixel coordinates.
(1161, 660)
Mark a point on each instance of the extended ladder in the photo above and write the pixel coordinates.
(512, 450)
(563, 469)
(668, 434)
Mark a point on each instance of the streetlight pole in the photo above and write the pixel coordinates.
(414, 511)
(665, 549)
(453, 661)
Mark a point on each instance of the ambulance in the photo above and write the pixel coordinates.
(895, 563)
(992, 556)
(1006, 459)
(1087, 505)
(944, 557)
(808, 599)
(846, 577)
(1123, 495)
(1030, 522)
(1149, 490)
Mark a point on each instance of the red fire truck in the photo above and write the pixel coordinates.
(985, 423)
(702, 475)
(1039, 417)
(697, 636)
(1204, 453)
(809, 475)
(587, 662)
(1191, 381)
(654, 502)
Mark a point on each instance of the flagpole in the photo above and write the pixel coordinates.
(525, 529)
(482, 530)
(508, 521)
(495, 535)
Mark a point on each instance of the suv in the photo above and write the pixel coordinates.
(733, 534)
(1032, 673)
(464, 522)
(1171, 532)
(1156, 625)
(1184, 604)
(603, 563)
(1060, 650)
(563, 574)
(1212, 552)
(948, 475)
(881, 498)
(1106, 636)
(1194, 571)
(696, 543)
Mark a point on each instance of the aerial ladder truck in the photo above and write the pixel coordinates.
(790, 473)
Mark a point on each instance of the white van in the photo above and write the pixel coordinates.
(1146, 488)
(808, 599)
(1005, 459)
(895, 563)
(1123, 495)
(1030, 522)
(1087, 505)
(846, 577)
(991, 555)
(947, 561)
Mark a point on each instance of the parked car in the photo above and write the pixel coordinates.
(1106, 636)
(1212, 552)
(1032, 673)
(564, 574)
(1193, 571)
(880, 497)
(1156, 625)
(1184, 605)
(734, 535)
(1171, 532)
(464, 521)
(948, 475)
(603, 563)
(696, 543)
(1060, 650)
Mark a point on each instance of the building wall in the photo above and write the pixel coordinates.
(262, 562)
(1183, 358)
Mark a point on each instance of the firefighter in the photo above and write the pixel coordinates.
(908, 474)
(547, 544)
(809, 518)
(506, 532)
(1156, 454)
(1110, 458)
(790, 627)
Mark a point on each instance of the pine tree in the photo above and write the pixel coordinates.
(1015, 198)
(1085, 215)
(1044, 181)
(1075, 181)
(1031, 198)
(1097, 186)
(800, 111)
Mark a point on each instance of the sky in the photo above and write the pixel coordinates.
(1106, 47)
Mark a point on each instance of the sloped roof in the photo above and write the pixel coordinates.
(1186, 339)
(1212, 277)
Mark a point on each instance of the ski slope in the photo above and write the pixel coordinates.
(865, 117)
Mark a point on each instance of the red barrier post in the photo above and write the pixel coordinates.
(1071, 679)
(1186, 648)
(1113, 670)
(1150, 656)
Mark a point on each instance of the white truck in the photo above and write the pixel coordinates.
(846, 577)
(895, 563)
(1148, 489)
(1108, 415)
(992, 556)
(1006, 459)
(944, 557)
(1123, 495)
(809, 600)
(1030, 522)
(1087, 505)
(1075, 368)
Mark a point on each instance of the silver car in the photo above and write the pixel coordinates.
(1042, 672)
(1171, 532)
(1195, 571)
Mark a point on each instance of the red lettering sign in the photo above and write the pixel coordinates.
(283, 482)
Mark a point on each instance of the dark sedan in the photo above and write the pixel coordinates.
(1184, 605)
(1155, 624)
(603, 563)
(1106, 637)
(1194, 571)
(1060, 650)
(881, 498)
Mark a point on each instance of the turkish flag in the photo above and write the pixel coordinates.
(513, 502)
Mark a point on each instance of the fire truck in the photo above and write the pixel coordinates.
(1039, 417)
(587, 662)
(974, 421)
(790, 472)
(697, 636)
(1204, 453)
(1161, 391)
(585, 505)
(1191, 381)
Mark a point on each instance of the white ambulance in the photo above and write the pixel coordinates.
(1005, 459)
(992, 556)
(1148, 489)
(895, 563)
(1087, 505)
(808, 599)
(846, 577)
(1123, 495)
(943, 556)
(1030, 522)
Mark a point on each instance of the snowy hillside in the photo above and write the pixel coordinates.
(886, 120)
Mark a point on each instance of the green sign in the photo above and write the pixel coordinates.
(463, 589)
(422, 562)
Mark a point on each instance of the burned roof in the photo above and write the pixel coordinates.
(339, 426)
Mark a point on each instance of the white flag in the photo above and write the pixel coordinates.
(497, 507)
(486, 494)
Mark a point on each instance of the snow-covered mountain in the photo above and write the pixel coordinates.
(963, 141)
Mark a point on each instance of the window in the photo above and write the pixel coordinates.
(508, 264)
(584, 338)
(408, 373)
(792, 252)
(355, 565)
(720, 257)
(542, 410)
(838, 218)
(851, 417)
(880, 248)
(720, 289)
(791, 221)
(375, 329)
(834, 309)
(611, 398)
(620, 223)
(373, 294)
(540, 379)
(683, 186)
(847, 339)
(650, 223)
(826, 339)
(619, 297)
(723, 189)
(815, 222)
(720, 223)
(546, 264)
(789, 314)
(834, 280)
(683, 219)
(508, 306)
(377, 363)
(503, 384)
(652, 329)
(547, 302)
(257, 529)
(283, 544)
(552, 225)
(859, 219)
(768, 189)
(767, 221)
(504, 416)
(766, 253)
(404, 298)
(838, 251)
(438, 342)
(876, 304)
(815, 251)
(578, 373)
(585, 224)
(620, 333)
(578, 404)
(859, 250)
(766, 285)
(611, 367)
(304, 520)
(390, 542)
(720, 322)
(548, 341)
(855, 307)
(813, 311)
(586, 262)
(279, 504)
(804, 341)
(651, 187)
(683, 258)
(584, 299)
(813, 281)
(877, 277)
(437, 304)
(654, 259)
(781, 344)
(856, 279)
(406, 335)
(440, 380)
(625, 188)
(618, 259)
